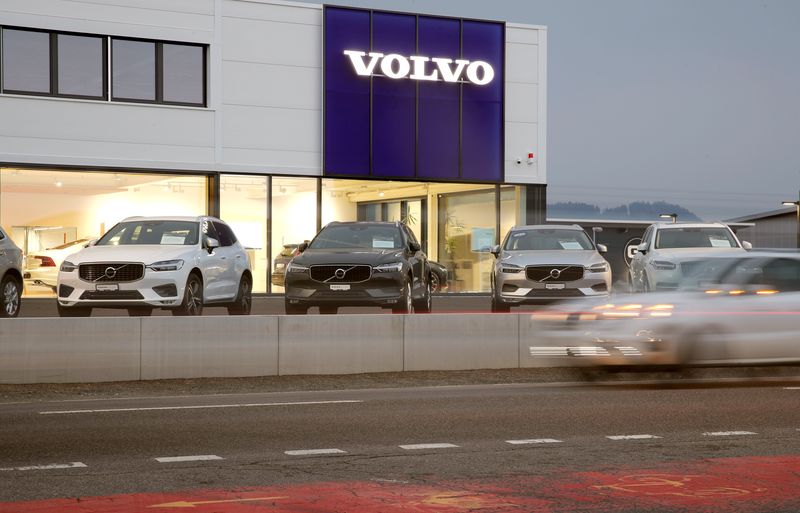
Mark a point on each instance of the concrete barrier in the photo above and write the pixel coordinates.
(224, 347)
(54, 350)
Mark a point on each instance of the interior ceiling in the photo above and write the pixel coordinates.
(87, 183)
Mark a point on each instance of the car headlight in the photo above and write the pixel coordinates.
(598, 268)
(279, 266)
(394, 267)
(510, 269)
(166, 265)
(661, 265)
(295, 268)
(68, 267)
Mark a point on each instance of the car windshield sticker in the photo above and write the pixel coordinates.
(519, 234)
(380, 243)
(169, 238)
(570, 244)
(717, 242)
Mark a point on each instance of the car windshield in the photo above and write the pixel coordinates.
(543, 239)
(361, 236)
(686, 237)
(163, 233)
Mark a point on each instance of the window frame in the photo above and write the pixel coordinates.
(159, 72)
(53, 64)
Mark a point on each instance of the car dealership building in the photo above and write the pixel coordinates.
(277, 117)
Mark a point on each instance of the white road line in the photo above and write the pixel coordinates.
(200, 457)
(416, 447)
(729, 433)
(74, 464)
(199, 407)
(311, 452)
(534, 441)
(632, 437)
(791, 388)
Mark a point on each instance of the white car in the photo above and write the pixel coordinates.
(669, 251)
(177, 263)
(42, 266)
(732, 310)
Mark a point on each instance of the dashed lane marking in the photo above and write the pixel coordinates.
(729, 433)
(534, 441)
(416, 447)
(74, 464)
(631, 437)
(199, 407)
(312, 452)
(199, 457)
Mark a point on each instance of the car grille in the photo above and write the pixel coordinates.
(555, 293)
(543, 272)
(111, 294)
(346, 273)
(122, 272)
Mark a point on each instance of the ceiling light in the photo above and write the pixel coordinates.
(58, 184)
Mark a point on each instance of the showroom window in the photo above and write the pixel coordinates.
(158, 72)
(244, 206)
(294, 211)
(54, 64)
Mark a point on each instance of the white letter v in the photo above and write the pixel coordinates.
(357, 58)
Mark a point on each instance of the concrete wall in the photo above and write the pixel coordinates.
(52, 350)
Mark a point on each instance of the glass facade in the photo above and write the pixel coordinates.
(244, 205)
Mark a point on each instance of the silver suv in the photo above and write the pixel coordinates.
(10, 277)
(537, 264)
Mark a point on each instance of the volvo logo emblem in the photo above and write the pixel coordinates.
(339, 273)
(110, 272)
(555, 273)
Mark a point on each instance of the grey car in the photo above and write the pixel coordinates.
(10, 277)
(538, 264)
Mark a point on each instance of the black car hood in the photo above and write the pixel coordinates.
(348, 256)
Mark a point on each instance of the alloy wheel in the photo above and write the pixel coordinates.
(194, 302)
(11, 298)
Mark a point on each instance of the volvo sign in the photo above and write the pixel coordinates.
(416, 67)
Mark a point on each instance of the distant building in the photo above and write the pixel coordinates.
(773, 229)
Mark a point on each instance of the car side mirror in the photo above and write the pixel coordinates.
(746, 245)
(643, 247)
(495, 250)
(302, 247)
(211, 244)
(91, 243)
(602, 248)
(414, 246)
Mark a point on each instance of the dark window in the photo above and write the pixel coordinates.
(184, 77)
(26, 61)
(226, 236)
(133, 70)
(81, 66)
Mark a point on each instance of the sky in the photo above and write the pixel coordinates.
(694, 102)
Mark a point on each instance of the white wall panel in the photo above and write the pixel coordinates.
(271, 128)
(276, 161)
(270, 42)
(522, 34)
(522, 63)
(307, 14)
(521, 139)
(522, 102)
(271, 85)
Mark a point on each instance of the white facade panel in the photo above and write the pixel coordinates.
(271, 85)
(272, 42)
(523, 100)
(522, 139)
(271, 128)
(522, 63)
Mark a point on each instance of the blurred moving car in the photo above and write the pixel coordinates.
(541, 263)
(288, 252)
(10, 277)
(439, 277)
(42, 266)
(729, 310)
(669, 251)
(360, 264)
(178, 263)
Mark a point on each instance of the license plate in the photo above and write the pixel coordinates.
(554, 286)
(340, 287)
(105, 287)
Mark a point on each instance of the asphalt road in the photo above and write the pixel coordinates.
(506, 447)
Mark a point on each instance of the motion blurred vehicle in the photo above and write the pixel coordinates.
(540, 263)
(729, 310)
(177, 263)
(670, 250)
(10, 277)
(42, 266)
(439, 277)
(360, 264)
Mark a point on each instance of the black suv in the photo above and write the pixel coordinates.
(359, 264)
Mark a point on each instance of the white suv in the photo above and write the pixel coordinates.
(670, 251)
(178, 263)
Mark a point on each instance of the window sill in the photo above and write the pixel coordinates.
(105, 102)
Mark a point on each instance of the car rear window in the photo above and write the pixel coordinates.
(362, 236)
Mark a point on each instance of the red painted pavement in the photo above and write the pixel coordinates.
(735, 485)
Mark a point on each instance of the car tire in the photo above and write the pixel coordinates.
(328, 310)
(498, 306)
(140, 311)
(406, 305)
(192, 297)
(10, 297)
(435, 283)
(243, 303)
(295, 309)
(73, 311)
(424, 305)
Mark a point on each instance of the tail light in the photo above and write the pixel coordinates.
(45, 261)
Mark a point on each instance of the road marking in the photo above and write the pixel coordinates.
(632, 437)
(534, 441)
(157, 408)
(791, 388)
(309, 452)
(729, 433)
(200, 457)
(74, 464)
(416, 447)
(186, 504)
